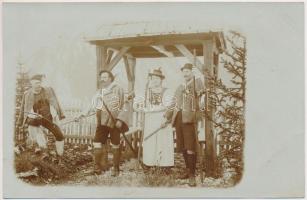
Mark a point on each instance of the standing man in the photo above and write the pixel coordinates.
(183, 117)
(35, 110)
(112, 119)
(158, 149)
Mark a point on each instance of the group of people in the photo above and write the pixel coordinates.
(162, 111)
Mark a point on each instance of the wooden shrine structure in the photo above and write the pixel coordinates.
(200, 48)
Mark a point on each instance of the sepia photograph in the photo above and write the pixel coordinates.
(117, 99)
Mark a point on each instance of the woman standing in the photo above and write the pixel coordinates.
(158, 148)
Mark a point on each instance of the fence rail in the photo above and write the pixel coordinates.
(83, 131)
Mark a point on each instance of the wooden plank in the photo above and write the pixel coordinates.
(210, 150)
(101, 55)
(169, 39)
(192, 59)
(109, 55)
(130, 64)
(161, 49)
(117, 58)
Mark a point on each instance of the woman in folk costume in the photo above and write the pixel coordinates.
(158, 148)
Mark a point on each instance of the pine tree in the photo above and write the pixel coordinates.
(22, 85)
(228, 99)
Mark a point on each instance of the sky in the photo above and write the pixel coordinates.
(50, 39)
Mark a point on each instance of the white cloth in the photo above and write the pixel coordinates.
(158, 150)
(37, 135)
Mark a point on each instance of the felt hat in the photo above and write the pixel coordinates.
(157, 72)
(187, 66)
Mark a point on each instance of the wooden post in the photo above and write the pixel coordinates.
(101, 54)
(130, 63)
(210, 150)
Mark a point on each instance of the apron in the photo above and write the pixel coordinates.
(158, 150)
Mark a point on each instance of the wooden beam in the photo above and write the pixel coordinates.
(115, 50)
(110, 53)
(208, 50)
(130, 70)
(117, 58)
(210, 150)
(101, 55)
(168, 39)
(192, 59)
(162, 50)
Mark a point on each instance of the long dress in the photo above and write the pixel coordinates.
(158, 150)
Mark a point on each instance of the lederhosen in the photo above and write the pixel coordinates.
(102, 131)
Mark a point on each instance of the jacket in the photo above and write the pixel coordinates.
(184, 101)
(28, 102)
(113, 96)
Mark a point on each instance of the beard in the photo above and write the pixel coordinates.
(37, 89)
(105, 84)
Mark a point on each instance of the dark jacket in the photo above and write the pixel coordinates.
(184, 101)
(28, 102)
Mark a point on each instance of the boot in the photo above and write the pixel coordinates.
(97, 160)
(116, 159)
(185, 174)
(104, 158)
(192, 167)
(59, 146)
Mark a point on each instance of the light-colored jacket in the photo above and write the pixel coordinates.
(184, 101)
(28, 102)
(113, 96)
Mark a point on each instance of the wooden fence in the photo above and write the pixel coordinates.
(83, 131)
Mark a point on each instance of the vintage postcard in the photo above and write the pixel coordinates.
(153, 100)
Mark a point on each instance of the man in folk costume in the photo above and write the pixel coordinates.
(158, 149)
(112, 119)
(183, 117)
(36, 111)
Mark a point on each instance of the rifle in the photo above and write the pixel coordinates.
(153, 133)
(200, 150)
(114, 121)
(67, 122)
(199, 146)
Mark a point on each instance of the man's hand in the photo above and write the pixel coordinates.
(118, 124)
(77, 119)
(34, 116)
(164, 123)
(38, 116)
(61, 117)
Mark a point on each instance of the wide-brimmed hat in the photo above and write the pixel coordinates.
(38, 77)
(157, 72)
(187, 66)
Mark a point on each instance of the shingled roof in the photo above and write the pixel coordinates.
(156, 39)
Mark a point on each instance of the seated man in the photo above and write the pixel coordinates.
(35, 110)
